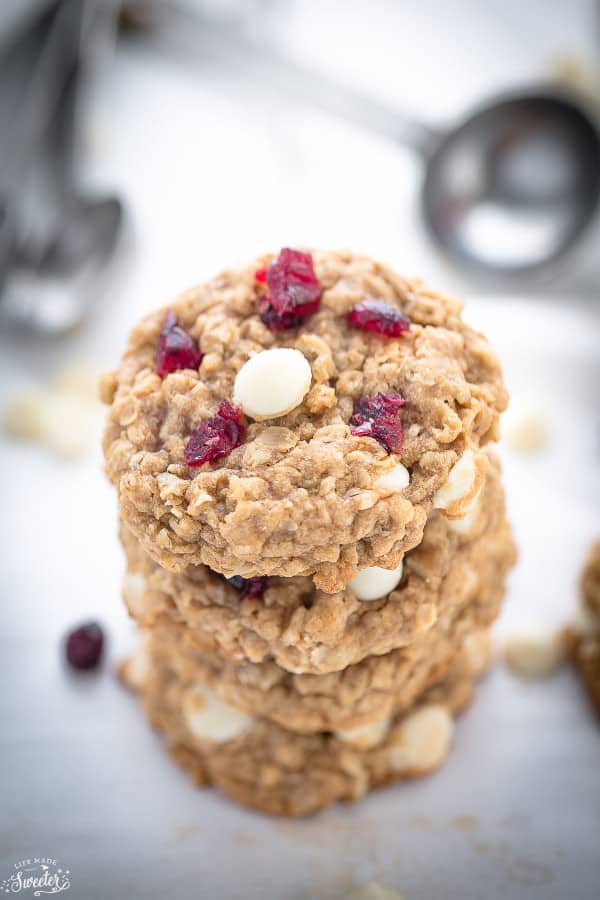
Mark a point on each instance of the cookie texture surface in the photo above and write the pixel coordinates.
(298, 494)
(583, 637)
(305, 630)
(357, 697)
(269, 768)
(590, 581)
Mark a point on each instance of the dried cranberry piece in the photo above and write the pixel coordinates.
(83, 647)
(274, 320)
(261, 276)
(380, 317)
(377, 416)
(215, 437)
(248, 587)
(294, 291)
(176, 349)
(293, 284)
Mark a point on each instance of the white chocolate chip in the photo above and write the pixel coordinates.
(136, 669)
(209, 718)
(374, 582)
(534, 652)
(374, 891)
(470, 583)
(466, 524)
(366, 736)
(460, 484)
(422, 740)
(23, 416)
(272, 383)
(78, 378)
(524, 426)
(64, 417)
(69, 423)
(394, 480)
(477, 652)
(134, 587)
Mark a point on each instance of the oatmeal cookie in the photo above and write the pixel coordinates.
(269, 768)
(355, 698)
(291, 421)
(308, 631)
(583, 636)
(590, 581)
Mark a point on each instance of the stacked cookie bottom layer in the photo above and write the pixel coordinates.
(276, 770)
(293, 699)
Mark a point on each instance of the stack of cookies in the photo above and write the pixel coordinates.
(313, 522)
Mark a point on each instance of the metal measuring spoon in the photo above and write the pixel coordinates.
(68, 239)
(515, 186)
(507, 191)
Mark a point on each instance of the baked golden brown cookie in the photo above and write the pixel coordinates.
(367, 408)
(583, 636)
(308, 631)
(269, 768)
(361, 694)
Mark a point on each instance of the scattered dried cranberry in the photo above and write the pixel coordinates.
(84, 645)
(378, 417)
(176, 348)
(261, 276)
(215, 437)
(248, 587)
(294, 290)
(380, 317)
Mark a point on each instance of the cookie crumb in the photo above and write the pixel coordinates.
(374, 891)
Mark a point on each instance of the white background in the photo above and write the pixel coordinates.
(214, 171)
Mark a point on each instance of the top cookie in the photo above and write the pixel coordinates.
(317, 459)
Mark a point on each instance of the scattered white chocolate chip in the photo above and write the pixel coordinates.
(422, 739)
(366, 736)
(134, 587)
(64, 417)
(477, 651)
(374, 582)
(524, 426)
(534, 652)
(272, 383)
(209, 718)
(78, 378)
(23, 415)
(460, 484)
(374, 891)
(394, 480)
(68, 423)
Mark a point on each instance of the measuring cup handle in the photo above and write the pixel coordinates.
(264, 65)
